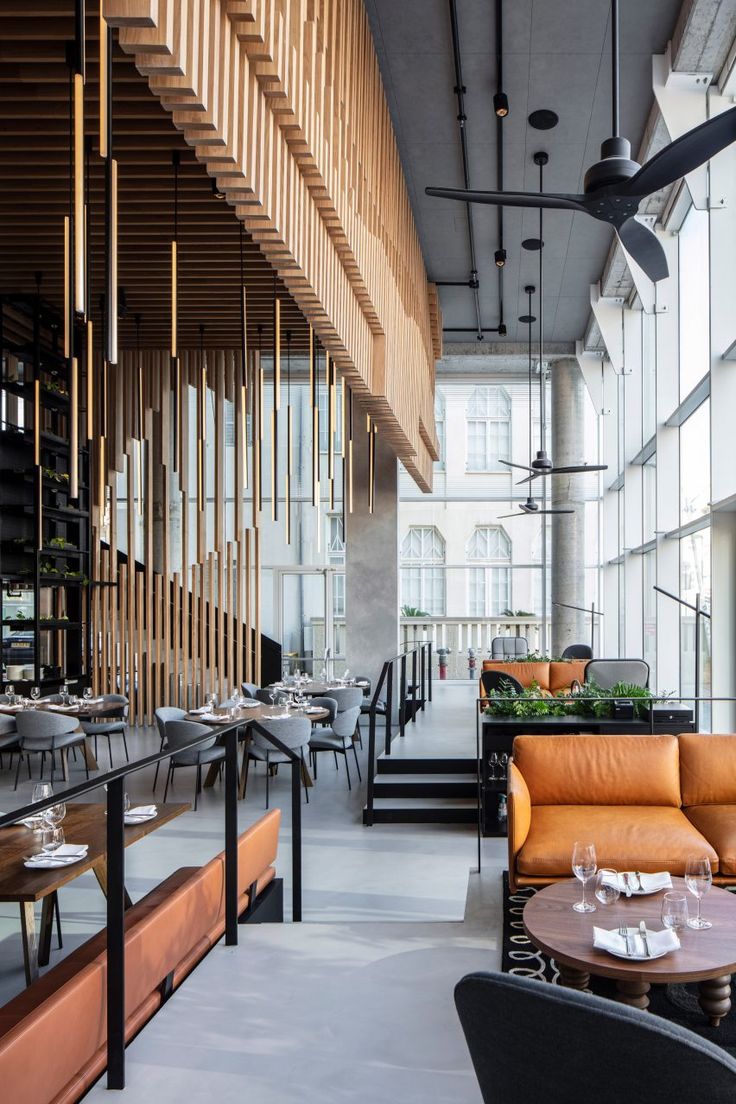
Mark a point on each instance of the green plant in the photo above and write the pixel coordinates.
(412, 611)
(60, 542)
(600, 702)
(516, 613)
(527, 703)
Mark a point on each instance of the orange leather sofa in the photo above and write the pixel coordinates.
(645, 801)
(53, 1036)
(552, 676)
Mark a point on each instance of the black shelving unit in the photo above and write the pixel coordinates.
(44, 531)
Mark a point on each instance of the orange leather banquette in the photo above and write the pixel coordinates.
(551, 676)
(645, 801)
(53, 1036)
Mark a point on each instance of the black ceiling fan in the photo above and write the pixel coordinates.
(616, 185)
(531, 507)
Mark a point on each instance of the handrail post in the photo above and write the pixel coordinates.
(231, 838)
(115, 936)
(402, 694)
(371, 767)
(414, 677)
(389, 706)
(429, 669)
(296, 837)
(423, 672)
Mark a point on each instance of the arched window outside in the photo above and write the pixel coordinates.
(489, 586)
(488, 423)
(422, 570)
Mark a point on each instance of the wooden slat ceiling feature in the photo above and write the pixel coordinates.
(282, 101)
(34, 195)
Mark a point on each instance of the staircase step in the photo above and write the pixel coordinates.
(423, 811)
(425, 785)
(387, 764)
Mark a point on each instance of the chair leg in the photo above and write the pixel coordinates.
(109, 751)
(63, 754)
(347, 769)
(359, 734)
(84, 759)
(304, 779)
(314, 754)
(268, 777)
(17, 769)
(28, 763)
(357, 764)
(97, 757)
(125, 749)
(197, 785)
(41, 768)
(336, 766)
(169, 774)
(155, 776)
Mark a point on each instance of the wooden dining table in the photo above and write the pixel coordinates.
(315, 689)
(242, 718)
(84, 823)
(83, 711)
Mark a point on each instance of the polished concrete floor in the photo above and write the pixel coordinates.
(355, 1004)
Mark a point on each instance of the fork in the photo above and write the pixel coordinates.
(624, 931)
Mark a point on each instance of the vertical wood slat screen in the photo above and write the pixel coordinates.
(170, 625)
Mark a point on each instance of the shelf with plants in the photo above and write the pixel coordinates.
(44, 595)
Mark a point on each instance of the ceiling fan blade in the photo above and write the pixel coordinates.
(511, 464)
(500, 516)
(571, 469)
(683, 155)
(528, 478)
(512, 199)
(563, 510)
(645, 248)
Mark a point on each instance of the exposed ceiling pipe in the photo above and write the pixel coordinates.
(462, 118)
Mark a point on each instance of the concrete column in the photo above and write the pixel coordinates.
(372, 561)
(568, 530)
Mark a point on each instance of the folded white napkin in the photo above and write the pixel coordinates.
(314, 709)
(659, 942)
(249, 703)
(141, 811)
(202, 710)
(361, 682)
(65, 855)
(651, 883)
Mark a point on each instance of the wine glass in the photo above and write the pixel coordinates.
(64, 693)
(675, 911)
(55, 814)
(584, 867)
(35, 694)
(10, 693)
(87, 693)
(493, 767)
(504, 761)
(607, 889)
(698, 879)
(41, 791)
(52, 838)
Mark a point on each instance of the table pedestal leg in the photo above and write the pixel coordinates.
(715, 998)
(573, 979)
(47, 927)
(100, 872)
(633, 993)
(30, 942)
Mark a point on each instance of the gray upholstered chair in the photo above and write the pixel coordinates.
(509, 647)
(293, 732)
(346, 697)
(110, 719)
(8, 733)
(163, 715)
(526, 1038)
(500, 681)
(264, 696)
(330, 705)
(179, 733)
(577, 651)
(339, 738)
(43, 733)
(249, 689)
(605, 673)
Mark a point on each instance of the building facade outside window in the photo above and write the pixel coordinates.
(488, 429)
(422, 570)
(439, 421)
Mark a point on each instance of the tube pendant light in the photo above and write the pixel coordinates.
(80, 294)
(89, 362)
(289, 441)
(74, 428)
(111, 199)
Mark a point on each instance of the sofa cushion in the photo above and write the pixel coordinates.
(707, 769)
(525, 673)
(600, 770)
(648, 838)
(718, 824)
(562, 673)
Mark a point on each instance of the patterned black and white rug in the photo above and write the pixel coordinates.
(678, 1003)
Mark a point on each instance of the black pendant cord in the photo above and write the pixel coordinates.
(542, 410)
(615, 114)
(109, 274)
(500, 151)
(275, 419)
(288, 367)
(529, 366)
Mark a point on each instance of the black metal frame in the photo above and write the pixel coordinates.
(421, 661)
(114, 781)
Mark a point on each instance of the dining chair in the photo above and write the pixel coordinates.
(110, 719)
(249, 689)
(500, 681)
(577, 651)
(605, 673)
(8, 733)
(293, 732)
(526, 1038)
(339, 738)
(163, 715)
(42, 733)
(180, 733)
(509, 647)
(347, 697)
(264, 695)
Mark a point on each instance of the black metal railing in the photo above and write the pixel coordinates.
(420, 653)
(114, 781)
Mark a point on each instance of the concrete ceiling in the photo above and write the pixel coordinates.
(556, 55)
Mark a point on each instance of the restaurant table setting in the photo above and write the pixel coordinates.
(636, 943)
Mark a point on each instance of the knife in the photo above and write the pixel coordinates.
(627, 884)
(643, 933)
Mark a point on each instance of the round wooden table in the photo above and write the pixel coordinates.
(707, 957)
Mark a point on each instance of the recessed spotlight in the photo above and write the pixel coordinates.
(500, 258)
(532, 244)
(501, 104)
(544, 119)
(527, 319)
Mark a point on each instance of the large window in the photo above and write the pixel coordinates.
(648, 375)
(488, 415)
(649, 605)
(439, 421)
(489, 587)
(423, 571)
(649, 498)
(324, 425)
(695, 465)
(695, 580)
(694, 310)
